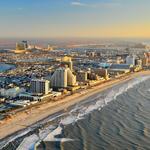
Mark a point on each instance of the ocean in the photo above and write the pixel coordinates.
(116, 119)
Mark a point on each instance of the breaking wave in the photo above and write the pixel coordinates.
(78, 112)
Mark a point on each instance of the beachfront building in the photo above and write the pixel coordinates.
(130, 60)
(117, 69)
(102, 72)
(59, 78)
(93, 76)
(71, 78)
(62, 78)
(146, 59)
(82, 76)
(40, 86)
(138, 62)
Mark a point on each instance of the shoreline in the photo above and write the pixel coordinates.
(26, 118)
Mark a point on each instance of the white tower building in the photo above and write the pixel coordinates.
(40, 86)
(59, 78)
(71, 78)
(62, 78)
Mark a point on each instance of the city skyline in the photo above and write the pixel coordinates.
(74, 18)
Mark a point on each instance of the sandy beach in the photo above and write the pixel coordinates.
(23, 119)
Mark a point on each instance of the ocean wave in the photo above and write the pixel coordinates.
(29, 129)
(14, 137)
(51, 136)
(103, 101)
(68, 120)
(79, 112)
(28, 143)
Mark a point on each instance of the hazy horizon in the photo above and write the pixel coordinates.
(75, 18)
(10, 43)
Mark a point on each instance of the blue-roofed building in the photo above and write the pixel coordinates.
(116, 69)
(121, 66)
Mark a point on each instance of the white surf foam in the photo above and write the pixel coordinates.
(24, 132)
(28, 143)
(79, 112)
(51, 136)
(68, 120)
(63, 139)
(13, 137)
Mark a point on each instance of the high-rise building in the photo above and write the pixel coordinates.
(67, 61)
(25, 44)
(22, 45)
(138, 62)
(50, 48)
(59, 78)
(40, 86)
(145, 58)
(62, 78)
(145, 61)
(71, 78)
(69, 64)
(147, 55)
(130, 60)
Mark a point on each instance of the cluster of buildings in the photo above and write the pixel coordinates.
(65, 71)
(69, 79)
(61, 79)
(23, 47)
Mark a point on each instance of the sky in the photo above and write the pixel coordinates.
(74, 18)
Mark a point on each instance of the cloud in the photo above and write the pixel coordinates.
(94, 5)
(77, 3)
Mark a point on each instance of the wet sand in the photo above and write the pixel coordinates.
(28, 117)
